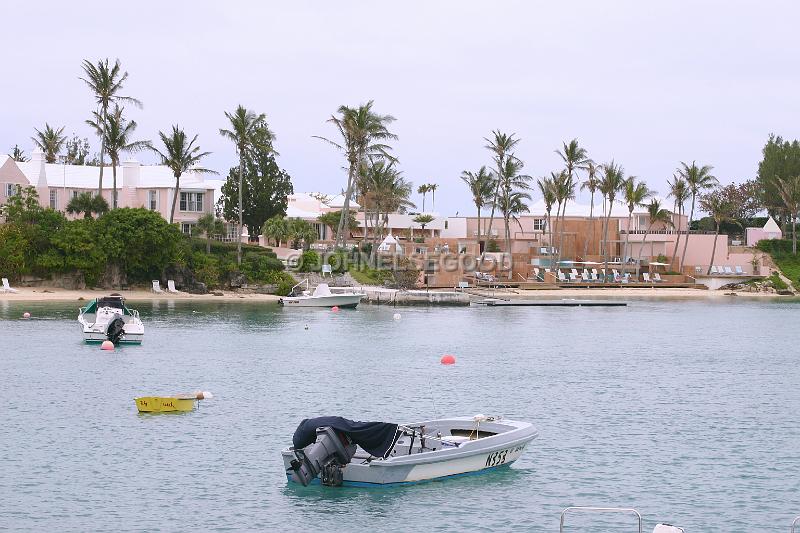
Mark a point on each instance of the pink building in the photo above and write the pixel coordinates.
(148, 186)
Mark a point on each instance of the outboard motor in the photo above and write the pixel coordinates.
(328, 455)
(115, 330)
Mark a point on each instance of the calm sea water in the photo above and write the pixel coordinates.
(685, 410)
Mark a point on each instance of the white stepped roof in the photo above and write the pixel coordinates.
(86, 177)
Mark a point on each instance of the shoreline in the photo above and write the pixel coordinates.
(48, 294)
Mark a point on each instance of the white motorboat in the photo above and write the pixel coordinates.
(321, 297)
(108, 318)
(344, 452)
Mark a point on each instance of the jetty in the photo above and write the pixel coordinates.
(566, 302)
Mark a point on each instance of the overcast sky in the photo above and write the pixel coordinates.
(646, 85)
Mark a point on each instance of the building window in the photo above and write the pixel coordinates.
(539, 224)
(187, 228)
(231, 234)
(445, 224)
(191, 201)
(75, 193)
(152, 200)
(53, 199)
(11, 189)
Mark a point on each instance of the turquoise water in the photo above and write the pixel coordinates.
(685, 410)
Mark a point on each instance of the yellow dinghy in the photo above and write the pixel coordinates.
(167, 404)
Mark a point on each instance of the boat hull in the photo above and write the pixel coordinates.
(92, 337)
(473, 457)
(335, 300)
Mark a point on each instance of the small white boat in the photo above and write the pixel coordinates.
(413, 453)
(321, 297)
(108, 318)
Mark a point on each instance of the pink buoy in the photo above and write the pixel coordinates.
(26, 315)
(107, 345)
(448, 359)
(335, 308)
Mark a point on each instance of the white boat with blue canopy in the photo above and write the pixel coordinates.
(109, 319)
(335, 451)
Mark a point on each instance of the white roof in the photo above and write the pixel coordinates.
(294, 212)
(575, 209)
(86, 177)
(771, 226)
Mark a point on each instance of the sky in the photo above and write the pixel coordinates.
(648, 84)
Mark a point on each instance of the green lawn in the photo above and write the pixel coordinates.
(368, 276)
(781, 252)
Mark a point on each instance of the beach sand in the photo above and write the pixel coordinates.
(45, 294)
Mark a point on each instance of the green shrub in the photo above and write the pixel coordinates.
(338, 262)
(370, 276)
(777, 282)
(492, 246)
(206, 269)
(309, 262)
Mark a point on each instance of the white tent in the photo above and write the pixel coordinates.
(387, 243)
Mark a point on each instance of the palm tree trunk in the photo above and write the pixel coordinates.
(605, 246)
(208, 243)
(591, 229)
(688, 228)
(175, 198)
(794, 235)
(677, 209)
(102, 154)
(561, 230)
(641, 249)
(713, 251)
(239, 231)
(479, 230)
(423, 202)
(344, 219)
(114, 192)
(627, 240)
(496, 194)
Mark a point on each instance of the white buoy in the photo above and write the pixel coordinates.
(396, 316)
(26, 315)
(306, 326)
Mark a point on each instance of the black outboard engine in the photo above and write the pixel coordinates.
(328, 455)
(115, 330)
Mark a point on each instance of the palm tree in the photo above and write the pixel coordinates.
(180, 156)
(657, 215)
(276, 228)
(423, 190)
(789, 192)
(634, 194)
(363, 134)
(432, 189)
(564, 189)
(118, 132)
(88, 204)
(612, 183)
(574, 157)
(512, 181)
(50, 141)
(209, 225)
(547, 188)
(382, 189)
(591, 185)
(697, 179)
(423, 220)
(679, 191)
(248, 132)
(481, 184)
(17, 154)
(106, 82)
(502, 146)
(721, 211)
(512, 205)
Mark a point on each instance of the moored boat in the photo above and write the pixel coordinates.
(108, 318)
(344, 452)
(321, 297)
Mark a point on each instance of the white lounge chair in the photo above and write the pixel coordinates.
(575, 272)
(562, 278)
(720, 270)
(573, 276)
(713, 270)
(7, 287)
(593, 275)
(646, 277)
(728, 271)
(171, 286)
(157, 286)
(585, 276)
(657, 277)
(739, 270)
(326, 269)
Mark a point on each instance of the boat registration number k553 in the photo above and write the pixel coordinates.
(499, 457)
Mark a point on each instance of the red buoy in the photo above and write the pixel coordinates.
(335, 308)
(107, 345)
(448, 359)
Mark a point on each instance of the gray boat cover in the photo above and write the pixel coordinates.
(376, 438)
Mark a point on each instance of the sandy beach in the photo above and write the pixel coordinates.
(45, 294)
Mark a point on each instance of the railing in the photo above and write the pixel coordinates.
(601, 510)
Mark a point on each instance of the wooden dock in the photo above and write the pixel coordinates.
(567, 302)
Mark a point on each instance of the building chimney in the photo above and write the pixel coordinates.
(37, 158)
